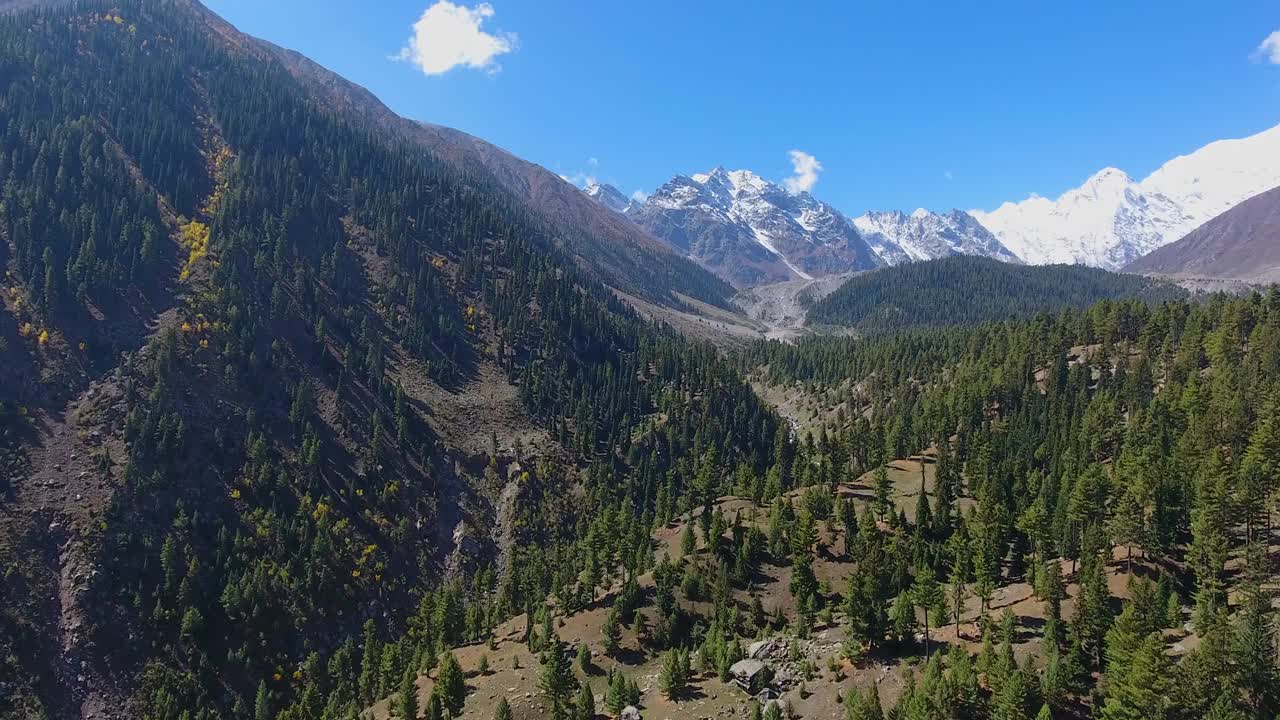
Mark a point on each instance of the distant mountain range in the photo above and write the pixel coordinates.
(898, 237)
(751, 231)
(1112, 220)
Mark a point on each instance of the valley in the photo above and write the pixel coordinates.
(310, 411)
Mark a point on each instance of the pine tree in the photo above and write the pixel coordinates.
(1260, 469)
(1254, 655)
(1014, 699)
(407, 703)
(688, 544)
(1126, 524)
(883, 490)
(849, 522)
(557, 681)
(370, 662)
(450, 684)
(928, 596)
(674, 675)
(1093, 612)
(612, 631)
(503, 710)
(1123, 639)
(1141, 692)
(584, 708)
(616, 697)
(1207, 555)
(262, 703)
(1224, 708)
(435, 710)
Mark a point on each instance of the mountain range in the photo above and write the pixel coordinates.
(751, 231)
(1112, 220)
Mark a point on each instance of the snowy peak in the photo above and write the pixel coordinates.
(1103, 185)
(753, 231)
(925, 235)
(608, 196)
(1111, 219)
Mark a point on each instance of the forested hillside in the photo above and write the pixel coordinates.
(968, 290)
(1151, 430)
(233, 320)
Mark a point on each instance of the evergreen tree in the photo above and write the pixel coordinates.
(928, 596)
(557, 681)
(1255, 655)
(883, 487)
(435, 710)
(1141, 690)
(450, 684)
(503, 710)
(1093, 613)
(584, 708)
(674, 675)
(1014, 700)
(688, 544)
(262, 703)
(616, 697)
(612, 631)
(407, 702)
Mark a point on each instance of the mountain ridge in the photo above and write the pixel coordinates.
(754, 232)
(1242, 243)
(1111, 219)
(632, 260)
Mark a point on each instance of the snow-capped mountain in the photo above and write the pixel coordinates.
(608, 196)
(752, 231)
(923, 235)
(1112, 220)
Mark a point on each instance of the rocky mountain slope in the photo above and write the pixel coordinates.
(754, 232)
(751, 231)
(609, 196)
(923, 235)
(616, 251)
(1242, 243)
(1112, 219)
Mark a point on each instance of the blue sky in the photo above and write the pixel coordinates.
(904, 104)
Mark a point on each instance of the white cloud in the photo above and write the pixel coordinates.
(806, 168)
(581, 178)
(946, 174)
(449, 36)
(639, 196)
(1269, 50)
